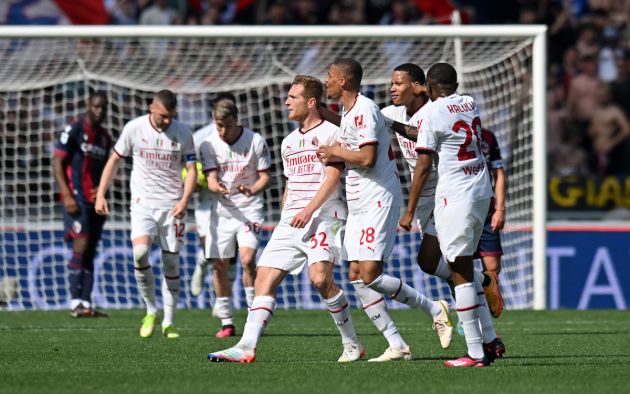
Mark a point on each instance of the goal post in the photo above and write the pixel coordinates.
(47, 72)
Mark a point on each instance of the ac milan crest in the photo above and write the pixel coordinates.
(315, 141)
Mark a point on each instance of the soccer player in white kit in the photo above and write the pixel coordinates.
(451, 129)
(374, 200)
(236, 161)
(160, 147)
(313, 212)
(205, 205)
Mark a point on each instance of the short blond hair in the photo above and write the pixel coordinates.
(313, 87)
(224, 108)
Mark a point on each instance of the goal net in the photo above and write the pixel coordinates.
(45, 80)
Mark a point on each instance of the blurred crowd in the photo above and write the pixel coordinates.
(589, 55)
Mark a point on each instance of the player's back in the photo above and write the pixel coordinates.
(363, 124)
(452, 127)
(158, 158)
(305, 173)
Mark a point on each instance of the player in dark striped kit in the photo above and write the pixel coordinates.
(80, 155)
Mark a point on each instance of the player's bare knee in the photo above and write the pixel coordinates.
(220, 265)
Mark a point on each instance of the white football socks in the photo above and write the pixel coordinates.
(376, 309)
(467, 304)
(170, 286)
(403, 293)
(258, 318)
(144, 276)
(339, 309)
(249, 296)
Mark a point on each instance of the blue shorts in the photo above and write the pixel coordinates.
(87, 224)
(490, 242)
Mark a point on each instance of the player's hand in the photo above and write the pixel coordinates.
(71, 205)
(100, 206)
(498, 220)
(245, 189)
(405, 221)
(179, 211)
(328, 153)
(219, 188)
(302, 218)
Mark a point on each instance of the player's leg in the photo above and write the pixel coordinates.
(171, 235)
(203, 217)
(222, 248)
(321, 276)
(260, 314)
(144, 229)
(379, 229)
(75, 276)
(248, 239)
(460, 225)
(373, 303)
(248, 261)
(490, 251)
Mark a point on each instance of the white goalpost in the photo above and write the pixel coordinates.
(46, 74)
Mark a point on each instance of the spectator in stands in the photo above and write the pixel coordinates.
(158, 14)
(278, 14)
(123, 12)
(610, 135)
(581, 101)
(401, 12)
(620, 87)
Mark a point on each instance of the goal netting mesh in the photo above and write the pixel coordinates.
(44, 83)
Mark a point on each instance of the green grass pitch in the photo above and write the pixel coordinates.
(547, 352)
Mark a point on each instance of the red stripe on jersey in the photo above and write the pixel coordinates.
(375, 142)
(418, 149)
(300, 151)
(118, 153)
(264, 169)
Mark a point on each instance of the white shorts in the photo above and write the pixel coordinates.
(202, 220)
(424, 215)
(370, 235)
(225, 234)
(160, 225)
(459, 225)
(290, 249)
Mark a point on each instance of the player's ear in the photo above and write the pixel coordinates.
(312, 102)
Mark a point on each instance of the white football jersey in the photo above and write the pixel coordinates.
(452, 128)
(363, 124)
(305, 173)
(204, 195)
(236, 164)
(158, 159)
(408, 147)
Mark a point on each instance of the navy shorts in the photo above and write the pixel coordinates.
(490, 242)
(86, 224)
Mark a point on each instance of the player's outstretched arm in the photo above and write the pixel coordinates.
(420, 176)
(364, 157)
(69, 201)
(329, 115)
(190, 184)
(330, 184)
(408, 131)
(498, 217)
(100, 205)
